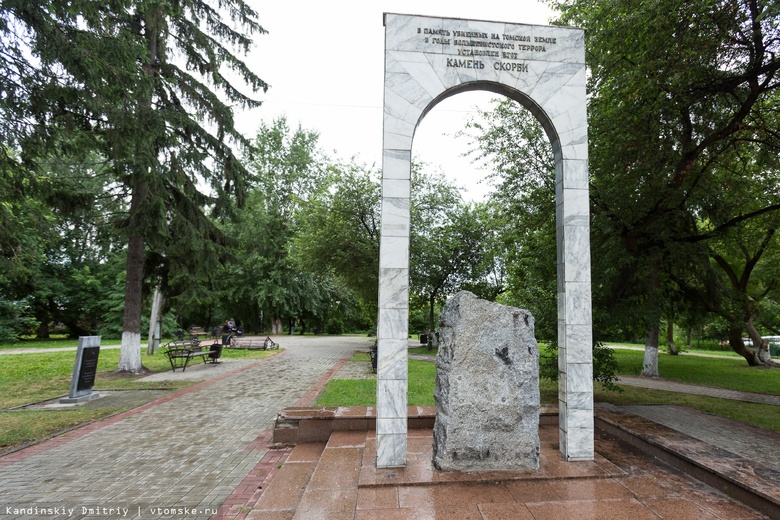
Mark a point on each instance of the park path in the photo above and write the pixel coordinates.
(178, 457)
(687, 353)
(659, 383)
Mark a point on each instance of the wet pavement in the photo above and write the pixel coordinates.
(187, 451)
(206, 452)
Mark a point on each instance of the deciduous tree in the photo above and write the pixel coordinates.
(673, 85)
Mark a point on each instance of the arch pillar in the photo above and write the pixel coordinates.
(429, 59)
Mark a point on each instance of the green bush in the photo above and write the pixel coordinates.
(12, 323)
(605, 365)
(334, 326)
(709, 344)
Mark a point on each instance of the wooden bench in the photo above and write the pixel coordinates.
(372, 355)
(181, 352)
(253, 343)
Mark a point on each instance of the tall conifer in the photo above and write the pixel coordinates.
(149, 84)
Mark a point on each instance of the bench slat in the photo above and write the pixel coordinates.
(180, 353)
(254, 343)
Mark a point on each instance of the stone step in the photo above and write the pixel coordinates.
(281, 497)
(295, 425)
(301, 424)
(333, 479)
(338, 478)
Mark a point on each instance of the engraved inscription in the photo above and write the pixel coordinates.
(508, 49)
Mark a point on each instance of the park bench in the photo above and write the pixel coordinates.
(180, 353)
(253, 343)
(372, 355)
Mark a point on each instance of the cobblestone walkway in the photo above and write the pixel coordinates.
(174, 458)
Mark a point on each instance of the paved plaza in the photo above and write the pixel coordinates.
(184, 453)
(206, 452)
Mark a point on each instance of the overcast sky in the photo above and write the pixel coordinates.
(324, 61)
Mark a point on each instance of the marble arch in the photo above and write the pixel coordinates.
(428, 59)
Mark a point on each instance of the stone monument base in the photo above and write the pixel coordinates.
(80, 398)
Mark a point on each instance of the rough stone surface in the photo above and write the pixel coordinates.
(487, 387)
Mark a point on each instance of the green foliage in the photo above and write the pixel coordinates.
(334, 326)
(448, 245)
(12, 324)
(339, 231)
(605, 365)
(522, 208)
(264, 277)
(682, 151)
(83, 77)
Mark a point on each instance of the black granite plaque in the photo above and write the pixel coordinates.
(88, 369)
(84, 370)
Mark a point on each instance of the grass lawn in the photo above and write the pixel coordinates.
(28, 378)
(723, 373)
(734, 374)
(761, 415)
(54, 342)
(362, 392)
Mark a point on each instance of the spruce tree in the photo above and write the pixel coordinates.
(147, 83)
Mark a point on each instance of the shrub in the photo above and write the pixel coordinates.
(12, 323)
(334, 326)
(605, 366)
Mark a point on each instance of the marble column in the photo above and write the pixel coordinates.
(393, 328)
(575, 358)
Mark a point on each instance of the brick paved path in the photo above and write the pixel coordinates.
(179, 457)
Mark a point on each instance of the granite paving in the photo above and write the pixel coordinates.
(749, 442)
(181, 456)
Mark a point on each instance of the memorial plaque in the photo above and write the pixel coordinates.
(84, 370)
(88, 369)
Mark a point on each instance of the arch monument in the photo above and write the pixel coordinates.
(428, 59)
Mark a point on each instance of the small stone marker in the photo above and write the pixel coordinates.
(487, 387)
(84, 371)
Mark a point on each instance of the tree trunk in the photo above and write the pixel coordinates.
(760, 349)
(153, 341)
(276, 325)
(43, 329)
(650, 364)
(738, 345)
(431, 311)
(130, 350)
(670, 338)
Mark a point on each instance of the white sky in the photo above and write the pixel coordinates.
(325, 64)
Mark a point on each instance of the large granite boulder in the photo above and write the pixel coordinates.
(487, 387)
